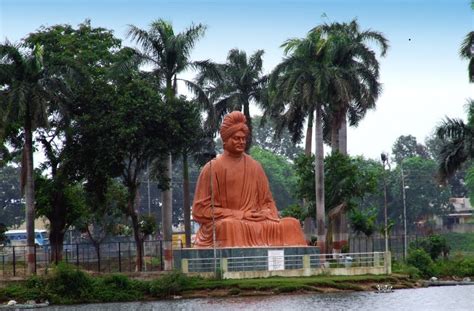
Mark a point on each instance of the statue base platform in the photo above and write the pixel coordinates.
(244, 258)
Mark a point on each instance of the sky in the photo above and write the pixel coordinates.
(424, 80)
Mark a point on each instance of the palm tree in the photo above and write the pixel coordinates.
(467, 52)
(458, 143)
(168, 53)
(24, 100)
(234, 85)
(348, 45)
(300, 85)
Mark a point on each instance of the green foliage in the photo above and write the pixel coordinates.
(421, 260)
(460, 242)
(346, 179)
(424, 196)
(3, 229)
(407, 147)
(12, 210)
(280, 175)
(117, 287)
(363, 221)
(295, 211)
(147, 224)
(434, 245)
(170, 284)
(265, 136)
(70, 284)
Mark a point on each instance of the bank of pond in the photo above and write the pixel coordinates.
(66, 284)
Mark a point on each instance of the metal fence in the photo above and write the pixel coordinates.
(109, 257)
(377, 244)
(285, 262)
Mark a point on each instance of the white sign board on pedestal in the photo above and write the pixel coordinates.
(276, 259)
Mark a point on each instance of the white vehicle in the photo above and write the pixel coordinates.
(18, 237)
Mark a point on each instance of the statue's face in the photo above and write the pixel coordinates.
(236, 143)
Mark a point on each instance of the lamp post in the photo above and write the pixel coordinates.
(384, 158)
(405, 247)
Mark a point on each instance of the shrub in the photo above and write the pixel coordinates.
(420, 259)
(170, 284)
(434, 245)
(117, 281)
(70, 284)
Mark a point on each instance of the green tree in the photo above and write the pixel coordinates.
(351, 49)
(407, 147)
(168, 53)
(457, 143)
(102, 215)
(298, 87)
(12, 209)
(347, 180)
(81, 57)
(264, 136)
(466, 53)
(51, 193)
(280, 176)
(234, 85)
(27, 89)
(424, 195)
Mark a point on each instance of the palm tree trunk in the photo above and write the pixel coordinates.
(343, 233)
(342, 137)
(186, 201)
(308, 224)
(166, 215)
(167, 196)
(319, 170)
(29, 198)
(335, 136)
(249, 125)
(309, 134)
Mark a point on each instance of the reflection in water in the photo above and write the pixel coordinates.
(457, 298)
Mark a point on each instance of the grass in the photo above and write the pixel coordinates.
(460, 242)
(68, 285)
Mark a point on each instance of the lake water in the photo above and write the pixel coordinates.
(432, 298)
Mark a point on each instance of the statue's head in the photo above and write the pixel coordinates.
(234, 132)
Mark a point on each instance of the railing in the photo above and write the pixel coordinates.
(109, 257)
(286, 262)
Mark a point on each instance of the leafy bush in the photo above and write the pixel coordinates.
(434, 245)
(70, 284)
(458, 266)
(117, 281)
(295, 211)
(420, 259)
(170, 284)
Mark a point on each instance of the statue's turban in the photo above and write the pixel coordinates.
(233, 122)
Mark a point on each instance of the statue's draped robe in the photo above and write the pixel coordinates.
(239, 185)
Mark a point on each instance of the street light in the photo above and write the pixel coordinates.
(384, 158)
(405, 247)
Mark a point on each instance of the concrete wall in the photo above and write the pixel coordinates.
(379, 267)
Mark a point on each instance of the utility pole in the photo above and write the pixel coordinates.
(384, 159)
(405, 248)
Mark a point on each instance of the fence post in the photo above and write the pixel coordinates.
(98, 257)
(77, 254)
(35, 257)
(387, 261)
(184, 265)
(120, 257)
(307, 265)
(14, 262)
(161, 255)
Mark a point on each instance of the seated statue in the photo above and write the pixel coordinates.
(239, 201)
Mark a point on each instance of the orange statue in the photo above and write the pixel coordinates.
(241, 203)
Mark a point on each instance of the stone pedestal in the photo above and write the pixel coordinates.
(244, 259)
